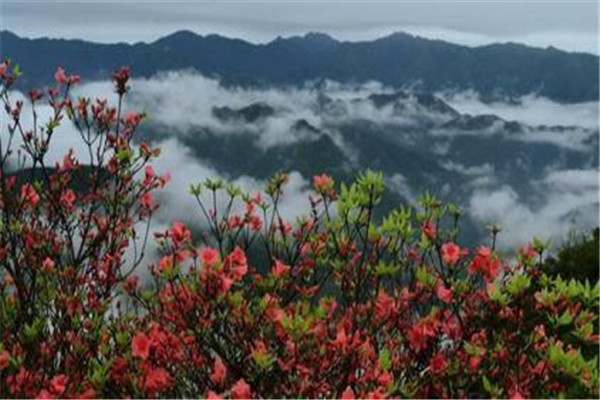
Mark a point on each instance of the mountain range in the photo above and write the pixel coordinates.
(418, 140)
(399, 60)
(311, 104)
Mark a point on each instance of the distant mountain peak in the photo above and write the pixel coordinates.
(399, 35)
(319, 37)
(178, 36)
(313, 39)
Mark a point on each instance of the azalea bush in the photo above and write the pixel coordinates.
(333, 304)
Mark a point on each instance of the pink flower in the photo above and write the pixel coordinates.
(237, 263)
(280, 269)
(156, 380)
(133, 118)
(348, 394)
(29, 195)
(35, 95)
(444, 293)
(474, 362)
(419, 334)
(241, 390)
(322, 183)
(438, 363)
(58, 384)
(149, 174)
(165, 263)
(484, 252)
(384, 305)
(429, 229)
(67, 198)
(147, 201)
(44, 394)
(219, 371)
(131, 284)
(255, 223)
(516, 393)
(121, 77)
(73, 79)
(180, 233)
(226, 283)
(450, 253)
(341, 339)
(213, 396)
(4, 359)
(60, 76)
(209, 256)
(47, 265)
(140, 346)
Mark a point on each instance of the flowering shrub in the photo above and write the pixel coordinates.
(334, 304)
(64, 230)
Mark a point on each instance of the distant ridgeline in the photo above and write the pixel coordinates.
(398, 60)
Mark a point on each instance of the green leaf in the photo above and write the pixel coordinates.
(385, 359)
(566, 318)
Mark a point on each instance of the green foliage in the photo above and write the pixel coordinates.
(578, 258)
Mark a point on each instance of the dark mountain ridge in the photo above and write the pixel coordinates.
(398, 60)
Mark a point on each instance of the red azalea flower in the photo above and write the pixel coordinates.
(133, 118)
(322, 183)
(29, 195)
(60, 76)
(35, 95)
(140, 346)
(515, 393)
(47, 265)
(165, 263)
(429, 229)
(4, 359)
(255, 223)
(241, 390)
(450, 253)
(474, 362)
(213, 396)
(121, 77)
(209, 256)
(384, 305)
(148, 175)
(157, 379)
(438, 364)
(58, 384)
(219, 371)
(280, 269)
(147, 201)
(180, 233)
(237, 263)
(44, 394)
(348, 394)
(376, 394)
(444, 293)
(67, 198)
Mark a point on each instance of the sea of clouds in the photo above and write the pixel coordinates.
(568, 199)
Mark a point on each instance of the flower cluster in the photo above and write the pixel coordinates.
(337, 304)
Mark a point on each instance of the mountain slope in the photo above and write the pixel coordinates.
(397, 60)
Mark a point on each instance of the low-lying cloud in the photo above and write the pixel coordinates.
(569, 202)
(183, 101)
(531, 110)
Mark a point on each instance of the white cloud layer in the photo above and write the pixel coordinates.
(183, 100)
(530, 110)
(570, 202)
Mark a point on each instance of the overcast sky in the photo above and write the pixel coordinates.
(570, 25)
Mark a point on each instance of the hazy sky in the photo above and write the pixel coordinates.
(570, 25)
